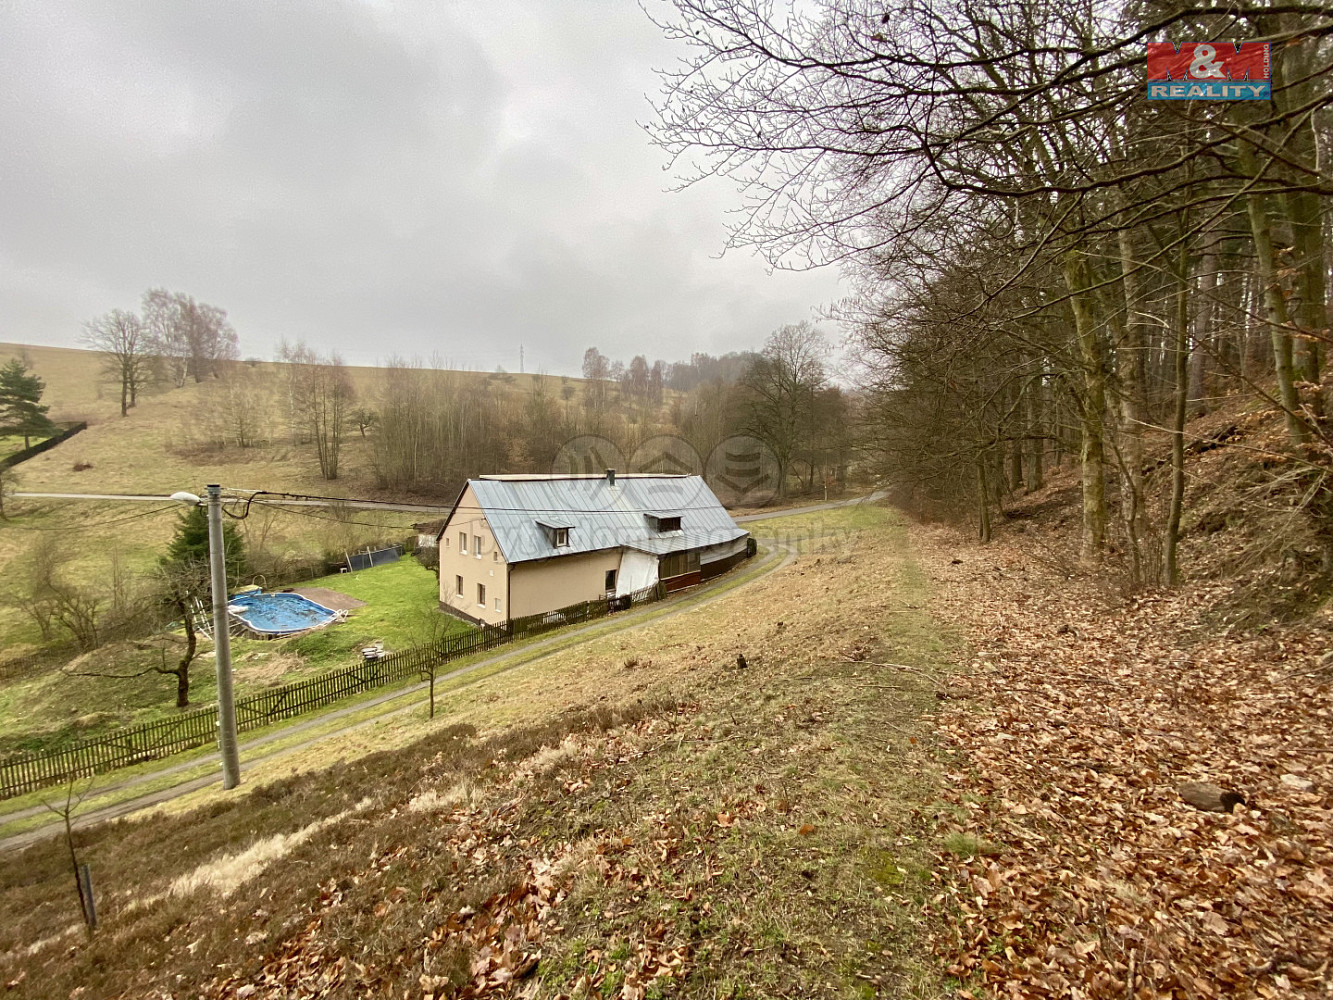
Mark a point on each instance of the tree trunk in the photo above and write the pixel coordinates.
(1132, 407)
(1170, 568)
(74, 861)
(1292, 88)
(1093, 451)
(1204, 311)
(1275, 306)
(1032, 398)
(983, 506)
(183, 668)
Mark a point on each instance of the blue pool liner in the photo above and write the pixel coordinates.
(279, 614)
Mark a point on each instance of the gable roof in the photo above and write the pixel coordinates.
(599, 515)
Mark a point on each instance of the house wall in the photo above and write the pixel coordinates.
(545, 585)
(491, 569)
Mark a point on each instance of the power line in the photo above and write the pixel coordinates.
(93, 524)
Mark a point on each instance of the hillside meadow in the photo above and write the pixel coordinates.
(168, 442)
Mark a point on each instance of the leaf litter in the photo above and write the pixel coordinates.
(1086, 720)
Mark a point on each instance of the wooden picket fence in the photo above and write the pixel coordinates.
(153, 740)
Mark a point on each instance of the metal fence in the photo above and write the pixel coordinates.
(152, 740)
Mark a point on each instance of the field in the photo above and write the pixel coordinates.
(57, 705)
(690, 827)
(160, 448)
(10, 443)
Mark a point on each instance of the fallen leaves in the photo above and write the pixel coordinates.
(1110, 885)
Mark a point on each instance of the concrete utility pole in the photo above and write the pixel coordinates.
(217, 561)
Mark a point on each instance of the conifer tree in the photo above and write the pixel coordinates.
(21, 408)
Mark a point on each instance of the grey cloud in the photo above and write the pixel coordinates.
(380, 179)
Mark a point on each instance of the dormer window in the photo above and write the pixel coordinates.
(664, 522)
(556, 532)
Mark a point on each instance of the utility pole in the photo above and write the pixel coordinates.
(520, 359)
(217, 559)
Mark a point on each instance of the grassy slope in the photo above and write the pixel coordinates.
(151, 451)
(52, 708)
(749, 832)
(374, 708)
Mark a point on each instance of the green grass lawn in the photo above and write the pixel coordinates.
(53, 708)
(402, 609)
(10, 443)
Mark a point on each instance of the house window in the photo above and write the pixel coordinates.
(668, 523)
(462, 542)
(495, 556)
(481, 595)
(561, 537)
(678, 564)
(610, 580)
(476, 545)
(458, 586)
(446, 543)
(497, 604)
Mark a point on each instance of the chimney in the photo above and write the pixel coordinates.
(610, 477)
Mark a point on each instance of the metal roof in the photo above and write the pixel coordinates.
(600, 516)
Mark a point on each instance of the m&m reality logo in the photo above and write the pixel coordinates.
(1209, 71)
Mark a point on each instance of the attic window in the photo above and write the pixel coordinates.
(557, 532)
(664, 522)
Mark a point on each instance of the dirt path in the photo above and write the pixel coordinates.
(772, 562)
(812, 509)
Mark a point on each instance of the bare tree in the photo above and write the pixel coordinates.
(782, 385)
(194, 338)
(319, 401)
(899, 141)
(237, 410)
(297, 360)
(82, 880)
(331, 398)
(183, 587)
(128, 359)
(597, 372)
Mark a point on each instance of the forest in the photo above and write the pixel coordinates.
(1052, 269)
(433, 427)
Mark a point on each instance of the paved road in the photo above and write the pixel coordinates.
(633, 619)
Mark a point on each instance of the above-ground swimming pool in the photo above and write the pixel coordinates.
(279, 614)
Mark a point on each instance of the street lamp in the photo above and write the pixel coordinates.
(217, 563)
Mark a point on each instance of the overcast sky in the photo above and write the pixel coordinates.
(379, 178)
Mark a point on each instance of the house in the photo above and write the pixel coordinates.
(523, 545)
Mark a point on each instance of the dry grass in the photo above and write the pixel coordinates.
(226, 874)
(763, 824)
(156, 450)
